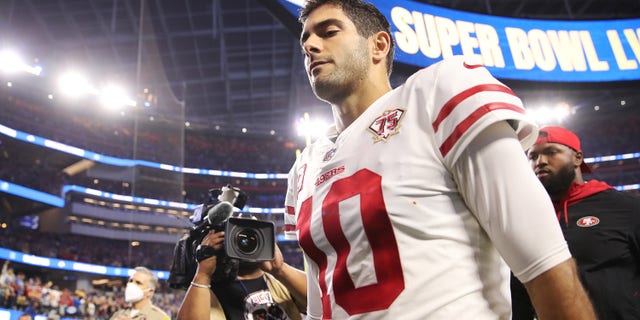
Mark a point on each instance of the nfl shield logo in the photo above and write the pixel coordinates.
(329, 155)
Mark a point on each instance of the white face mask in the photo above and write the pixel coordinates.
(133, 293)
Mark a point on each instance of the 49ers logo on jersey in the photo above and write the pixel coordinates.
(588, 221)
(387, 124)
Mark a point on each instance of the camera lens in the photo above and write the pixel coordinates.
(247, 241)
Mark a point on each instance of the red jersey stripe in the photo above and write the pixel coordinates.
(463, 126)
(457, 99)
(288, 227)
(317, 255)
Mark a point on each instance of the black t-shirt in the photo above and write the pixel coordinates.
(247, 299)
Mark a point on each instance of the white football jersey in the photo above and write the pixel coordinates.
(385, 231)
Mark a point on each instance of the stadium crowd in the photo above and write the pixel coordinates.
(101, 251)
(210, 149)
(29, 294)
(20, 290)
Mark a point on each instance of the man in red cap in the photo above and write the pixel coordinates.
(601, 226)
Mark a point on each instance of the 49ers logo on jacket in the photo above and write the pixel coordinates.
(588, 221)
(387, 124)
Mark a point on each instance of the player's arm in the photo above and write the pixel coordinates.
(500, 188)
(558, 294)
(197, 301)
(293, 279)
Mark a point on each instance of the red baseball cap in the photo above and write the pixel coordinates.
(554, 134)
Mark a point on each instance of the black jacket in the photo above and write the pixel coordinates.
(602, 228)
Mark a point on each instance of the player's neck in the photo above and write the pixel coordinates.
(578, 179)
(347, 110)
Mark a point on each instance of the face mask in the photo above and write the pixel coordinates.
(133, 293)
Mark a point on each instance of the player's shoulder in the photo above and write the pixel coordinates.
(624, 198)
(457, 62)
(455, 68)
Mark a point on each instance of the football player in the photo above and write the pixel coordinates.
(411, 204)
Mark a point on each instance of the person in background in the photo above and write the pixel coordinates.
(139, 290)
(7, 286)
(601, 226)
(254, 294)
(19, 286)
(408, 205)
(33, 308)
(251, 294)
(65, 302)
(26, 316)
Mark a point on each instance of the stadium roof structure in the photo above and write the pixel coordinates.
(237, 64)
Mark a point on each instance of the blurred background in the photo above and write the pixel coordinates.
(118, 116)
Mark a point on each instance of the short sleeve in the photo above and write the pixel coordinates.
(464, 100)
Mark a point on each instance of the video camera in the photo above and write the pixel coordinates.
(246, 240)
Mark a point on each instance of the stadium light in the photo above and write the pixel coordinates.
(10, 62)
(550, 115)
(74, 85)
(114, 97)
(309, 127)
(37, 70)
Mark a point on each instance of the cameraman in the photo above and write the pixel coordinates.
(255, 294)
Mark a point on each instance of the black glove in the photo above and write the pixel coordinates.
(204, 252)
(226, 267)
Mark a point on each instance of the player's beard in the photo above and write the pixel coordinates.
(346, 75)
(558, 184)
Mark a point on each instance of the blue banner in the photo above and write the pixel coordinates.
(511, 48)
(15, 256)
(86, 154)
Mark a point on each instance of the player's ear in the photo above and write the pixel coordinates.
(381, 46)
(577, 158)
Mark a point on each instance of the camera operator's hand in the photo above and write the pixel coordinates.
(195, 305)
(274, 266)
(295, 280)
(207, 266)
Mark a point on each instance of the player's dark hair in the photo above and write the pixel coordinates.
(366, 17)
